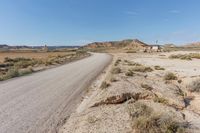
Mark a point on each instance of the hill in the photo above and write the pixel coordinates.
(124, 44)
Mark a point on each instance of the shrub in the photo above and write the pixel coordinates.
(26, 71)
(146, 121)
(195, 86)
(170, 76)
(142, 69)
(158, 123)
(181, 56)
(117, 62)
(160, 100)
(158, 68)
(112, 79)
(147, 87)
(10, 74)
(129, 73)
(116, 70)
(104, 85)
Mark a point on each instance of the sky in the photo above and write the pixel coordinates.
(78, 22)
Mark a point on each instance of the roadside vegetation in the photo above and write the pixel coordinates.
(19, 66)
(185, 56)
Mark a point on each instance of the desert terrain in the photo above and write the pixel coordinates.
(142, 92)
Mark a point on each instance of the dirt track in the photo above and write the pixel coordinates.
(38, 102)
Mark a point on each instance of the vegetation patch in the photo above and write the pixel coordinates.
(158, 68)
(144, 120)
(147, 87)
(195, 86)
(129, 73)
(116, 70)
(104, 85)
(142, 69)
(170, 76)
(117, 62)
(160, 100)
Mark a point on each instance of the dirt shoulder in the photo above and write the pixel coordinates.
(141, 92)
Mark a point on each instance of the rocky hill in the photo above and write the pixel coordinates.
(125, 44)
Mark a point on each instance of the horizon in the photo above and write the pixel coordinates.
(76, 23)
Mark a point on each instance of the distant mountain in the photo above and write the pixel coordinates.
(8, 47)
(125, 44)
(196, 44)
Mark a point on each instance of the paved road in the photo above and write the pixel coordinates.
(38, 102)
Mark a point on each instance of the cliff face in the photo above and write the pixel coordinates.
(125, 44)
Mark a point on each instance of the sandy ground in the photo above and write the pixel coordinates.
(109, 115)
(41, 102)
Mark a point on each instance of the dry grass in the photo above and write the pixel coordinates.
(145, 120)
(104, 85)
(117, 62)
(142, 69)
(116, 70)
(129, 73)
(160, 100)
(185, 56)
(147, 87)
(181, 56)
(195, 86)
(158, 68)
(21, 63)
(170, 76)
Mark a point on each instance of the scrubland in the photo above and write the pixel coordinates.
(15, 63)
(142, 93)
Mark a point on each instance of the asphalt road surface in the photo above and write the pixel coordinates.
(39, 102)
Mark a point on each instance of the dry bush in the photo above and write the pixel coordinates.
(158, 68)
(129, 73)
(195, 86)
(181, 56)
(170, 76)
(14, 72)
(145, 120)
(160, 100)
(112, 79)
(147, 87)
(131, 51)
(195, 55)
(142, 69)
(104, 85)
(117, 62)
(116, 70)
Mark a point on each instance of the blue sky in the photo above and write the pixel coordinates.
(77, 22)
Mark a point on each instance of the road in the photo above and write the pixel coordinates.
(39, 102)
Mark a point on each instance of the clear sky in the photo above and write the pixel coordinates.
(75, 22)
